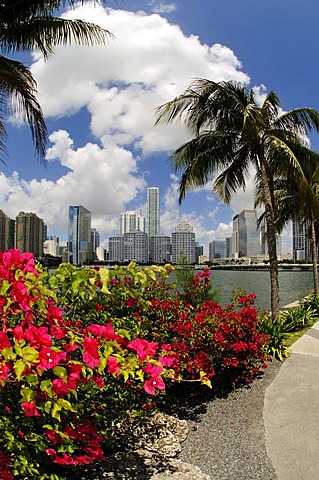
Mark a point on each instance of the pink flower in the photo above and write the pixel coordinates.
(91, 353)
(166, 361)
(113, 366)
(30, 409)
(49, 358)
(4, 371)
(152, 383)
(143, 348)
(153, 370)
(38, 336)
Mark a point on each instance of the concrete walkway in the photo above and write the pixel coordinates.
(291, 412)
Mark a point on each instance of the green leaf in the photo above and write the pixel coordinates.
(60, 372)
(55, 412)
(27, 394)
(8, 353)
(29, 354)
(19, 368)
(65, 404)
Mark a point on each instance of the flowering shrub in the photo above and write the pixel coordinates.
(60, 376)
(81, 350)
(211, 341)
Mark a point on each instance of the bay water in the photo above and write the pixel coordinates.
(293, 285)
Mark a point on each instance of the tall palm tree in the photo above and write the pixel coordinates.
(232, 135)
(300, 205)
(26, 25)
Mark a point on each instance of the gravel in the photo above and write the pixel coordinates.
(227, 440)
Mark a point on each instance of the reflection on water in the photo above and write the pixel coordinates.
(293, 285)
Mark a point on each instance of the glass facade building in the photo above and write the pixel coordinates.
(79, 235)
(246, 236)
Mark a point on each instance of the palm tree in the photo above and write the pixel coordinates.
(300, 205)
(232, 135)
(26, 25)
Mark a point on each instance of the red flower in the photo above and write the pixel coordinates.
(30, 409)
(98, 307)
(4, 341)
(166, 361)
(130, 302)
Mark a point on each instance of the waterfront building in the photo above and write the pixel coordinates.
(79, 235)
(183, 242)
(95, 242)
(246, 236)
(29, 230)
(153, 211)
(217, 249)
(51, 246)
(7, 228)
(160, 249)
(228, 247)
(301, 241)
(135, 247)
(199, 251)
(131, 221)
(116, 248)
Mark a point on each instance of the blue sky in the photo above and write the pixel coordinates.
(99, 102)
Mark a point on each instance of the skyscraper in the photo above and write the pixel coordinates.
(131, 221)
(246, 236)
(7, 227)
(217, 249)
(153, 211)
(183, 242)
(79, 235)
(29, 233)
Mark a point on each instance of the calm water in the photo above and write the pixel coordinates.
(293, 285)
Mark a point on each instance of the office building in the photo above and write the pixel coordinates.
(153, 211)
(246, 236)
(29, 231)
(183, 243)
(79, 235)
(131, 221)
(7, 228)
(228, 247)
(129, 247)
(199, 251)
(217, 249)
(160, 249)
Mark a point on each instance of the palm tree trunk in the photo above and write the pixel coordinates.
(271, 240)
(313, 244)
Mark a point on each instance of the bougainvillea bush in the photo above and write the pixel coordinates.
(221, 344)
(82, 350)
(61, 377)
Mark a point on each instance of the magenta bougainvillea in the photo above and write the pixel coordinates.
(82, 349)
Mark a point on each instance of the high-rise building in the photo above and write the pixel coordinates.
(246, 236)
(129, 247)
(131, 221)
(51, 246)
(116, 248)
(183, 242)
(160, 249)
(199, 251)
(217, 249)
(153, 211)
(29, 232)
(228, 247)
(135, 247)
(79, 235)
(301, 241)
(7, 227)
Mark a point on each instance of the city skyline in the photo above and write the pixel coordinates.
(99, 103)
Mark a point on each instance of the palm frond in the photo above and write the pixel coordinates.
(18, 95)
(45, 33)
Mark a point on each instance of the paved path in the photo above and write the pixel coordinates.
(291, 412)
